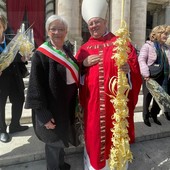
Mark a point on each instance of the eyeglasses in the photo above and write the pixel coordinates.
(54, 30)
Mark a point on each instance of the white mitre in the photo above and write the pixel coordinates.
(94, 8)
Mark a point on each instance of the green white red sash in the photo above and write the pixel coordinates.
(61, 58)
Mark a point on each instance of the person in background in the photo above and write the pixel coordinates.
(153, 51)
(97, 68)
(52, 92)
(12, 86)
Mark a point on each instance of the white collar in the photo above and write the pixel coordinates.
(105, 33)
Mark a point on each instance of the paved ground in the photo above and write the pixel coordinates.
(148, 155)
(151, 150)
(151, 155)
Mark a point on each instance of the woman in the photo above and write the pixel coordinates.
(155, 51)
(52, 93)
(12, 86)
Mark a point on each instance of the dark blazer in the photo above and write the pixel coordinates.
(48, 90)
(13, 71)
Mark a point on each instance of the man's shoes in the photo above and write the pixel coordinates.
(66, 166)
(4, 137)
(167, 114)
(146, 119)
(17, 129)
(147, 122)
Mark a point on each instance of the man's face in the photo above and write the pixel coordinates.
(97, 27)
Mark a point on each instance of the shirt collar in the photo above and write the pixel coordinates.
(105, 33)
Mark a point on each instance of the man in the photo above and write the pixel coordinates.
(12, 86)
(97, 69)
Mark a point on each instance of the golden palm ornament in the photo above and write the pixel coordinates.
(120, 153)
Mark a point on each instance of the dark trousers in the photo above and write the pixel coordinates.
(54, 155)
(17, 99)
(147, 97)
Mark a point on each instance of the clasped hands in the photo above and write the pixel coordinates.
(94, 59)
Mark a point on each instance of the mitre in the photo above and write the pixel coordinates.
(94, 8)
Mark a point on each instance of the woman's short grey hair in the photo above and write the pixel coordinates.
(53, 18)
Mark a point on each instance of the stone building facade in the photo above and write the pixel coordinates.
(140, 15)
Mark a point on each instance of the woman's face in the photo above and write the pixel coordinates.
(163, 37)
(1, 30)
(57, 32)
(97, 27)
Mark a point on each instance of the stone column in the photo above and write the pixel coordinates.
(167, 14)
(158, 16)
(161, 17)
(49, 10)
(155, 19)
(115, 14)
(56, 6)
(71, 11)
(138, 22)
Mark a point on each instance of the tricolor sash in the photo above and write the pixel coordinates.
(61, 58)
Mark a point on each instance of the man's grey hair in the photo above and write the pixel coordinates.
(53, 18)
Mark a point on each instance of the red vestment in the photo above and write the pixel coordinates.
(96, 103)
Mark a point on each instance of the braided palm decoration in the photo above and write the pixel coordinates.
(120, 152)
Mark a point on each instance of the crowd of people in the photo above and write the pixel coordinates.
(56, 77)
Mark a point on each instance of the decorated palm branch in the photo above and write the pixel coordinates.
(120, 153)
(19, 43)
(159, 94)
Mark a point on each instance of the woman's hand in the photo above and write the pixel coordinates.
(91, 60)
(50, 125)
(125, 68)
(0, 73)
(146, 78)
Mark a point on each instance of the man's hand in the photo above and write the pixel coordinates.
(50, 125)
(91, 60)
(26, 58)
(23, 59)
(125, 68)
